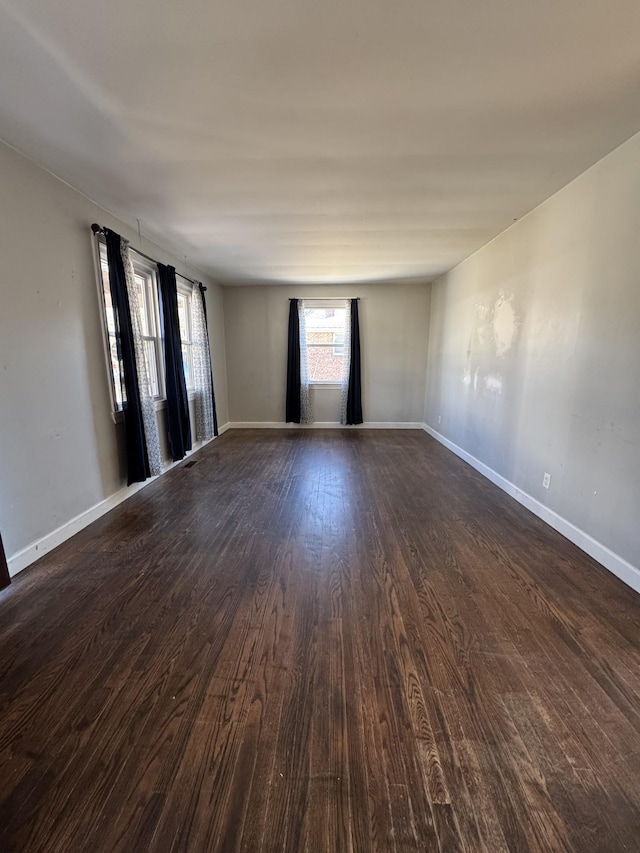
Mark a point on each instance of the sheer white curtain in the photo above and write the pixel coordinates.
(306, 414)
(201, 369)
(346, 364)
(147, 401)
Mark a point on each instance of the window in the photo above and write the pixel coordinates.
(147, 294)
(325, 324)
(110, 328)
(147, 290)
(186, 337)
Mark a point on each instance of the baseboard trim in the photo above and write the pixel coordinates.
(616, 564)
(42, 546)
(323, 425)
(224, 428)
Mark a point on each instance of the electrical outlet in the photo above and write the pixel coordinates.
(546, 481)
(439, 419)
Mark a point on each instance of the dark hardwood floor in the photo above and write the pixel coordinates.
(319, 641)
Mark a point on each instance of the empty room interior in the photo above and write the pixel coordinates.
(319, 426)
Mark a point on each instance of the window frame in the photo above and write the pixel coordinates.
(148, 272)
(335, 304)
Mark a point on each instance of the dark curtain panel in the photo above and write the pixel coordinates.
(201, 290)
(178, 422)
(354, 395)
(4, 569)
(136, 447)
(293, 365)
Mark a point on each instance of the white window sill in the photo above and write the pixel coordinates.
(327, 385)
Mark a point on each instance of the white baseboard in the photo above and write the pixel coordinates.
(37, 549)
(224, 428)
(323, 425)
(605, 556)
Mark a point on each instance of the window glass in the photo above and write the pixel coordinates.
(325, 342)
(112, 341)
(186, 363)
(182, 316)
(184, 319)
(142, 304)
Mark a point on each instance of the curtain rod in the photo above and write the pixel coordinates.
(98, 229)
(322, 298)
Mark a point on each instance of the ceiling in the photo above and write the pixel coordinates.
(335, 140)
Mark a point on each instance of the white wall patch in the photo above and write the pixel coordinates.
(505, 324)
(493, 384)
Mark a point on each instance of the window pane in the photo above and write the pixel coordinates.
(324, 364)
(186, 362)
(317, 336)
(152, 366)
(325, 318)
(106, 289)
(183, 317)
(150, 284)
(142, 303)
(114, 362)
(115, 370)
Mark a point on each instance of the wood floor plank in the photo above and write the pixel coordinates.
(321, 641)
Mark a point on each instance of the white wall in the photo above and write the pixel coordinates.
(59, 453)
(534, 353)
(215, 318)
(394, 322)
